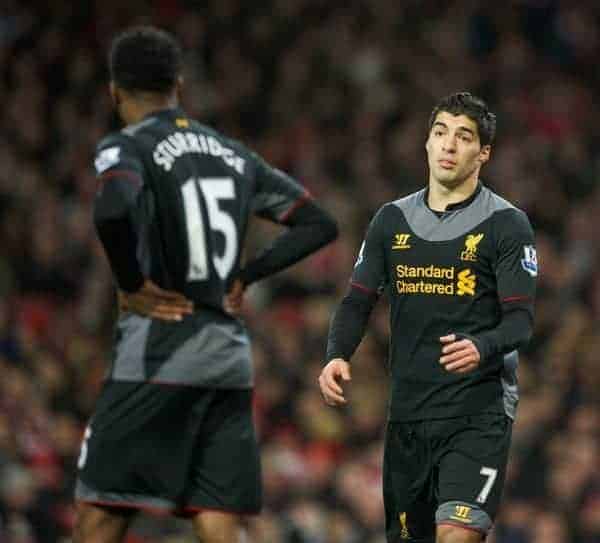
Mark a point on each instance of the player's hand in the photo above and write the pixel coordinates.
(459, 355)
(154, 302)
(329, 381)
(232, 303)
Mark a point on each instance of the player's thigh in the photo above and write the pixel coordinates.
(408, 484)
(96, 524)
(472, 468)
(217, 527)
(226, 468)
(446, 533)
(138, 446)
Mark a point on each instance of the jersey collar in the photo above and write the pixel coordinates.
(456, 205)
(166, 112)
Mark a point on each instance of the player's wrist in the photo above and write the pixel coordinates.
(480, 345)
(333, 355)
(132, 282)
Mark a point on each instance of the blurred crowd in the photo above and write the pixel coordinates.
(338, 94)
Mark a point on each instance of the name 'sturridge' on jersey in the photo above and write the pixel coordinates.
(180, 143)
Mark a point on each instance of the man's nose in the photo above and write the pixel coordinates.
(449, 144)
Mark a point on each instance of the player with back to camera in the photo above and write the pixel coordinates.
(172, 430)
(458, 264)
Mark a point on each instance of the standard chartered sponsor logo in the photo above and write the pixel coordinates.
(432, 271)
(466, 283)
(449, 281)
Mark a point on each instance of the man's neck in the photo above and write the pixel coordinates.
(440, 197)
(140, 109)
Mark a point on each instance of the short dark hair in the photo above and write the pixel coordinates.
(145, 58)
(465, 103)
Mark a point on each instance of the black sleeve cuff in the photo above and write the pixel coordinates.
(514, 331)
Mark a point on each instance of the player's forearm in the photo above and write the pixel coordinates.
(120, 244)
(310, 229)
(117, 233)
(349, 324)
(513, 332)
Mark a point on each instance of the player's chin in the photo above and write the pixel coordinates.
(448, 178)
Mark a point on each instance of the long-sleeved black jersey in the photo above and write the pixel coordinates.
(469, 271)
(173, 205)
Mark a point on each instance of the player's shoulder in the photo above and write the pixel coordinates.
(116, 150)
(226, 141)
(116, 138)
(111, 150)
(504, 211)
(392, 207)
(410, 201)
(508, 221)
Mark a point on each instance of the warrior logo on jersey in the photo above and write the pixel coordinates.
(529, 261)
(471, 243)
(401, 241)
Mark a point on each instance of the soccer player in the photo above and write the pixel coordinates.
(458, 264)
(172, 430)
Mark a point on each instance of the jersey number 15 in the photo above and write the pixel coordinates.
(213, 190)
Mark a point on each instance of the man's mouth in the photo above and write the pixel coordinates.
(447, 164)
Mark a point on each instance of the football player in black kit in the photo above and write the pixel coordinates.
(172, 430)
(458, 265)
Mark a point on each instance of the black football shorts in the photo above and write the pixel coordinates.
(446, 471)
(172, 449)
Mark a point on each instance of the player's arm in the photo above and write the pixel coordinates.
(516, 272)
(280, 199)
(351, 317)
(120, 182)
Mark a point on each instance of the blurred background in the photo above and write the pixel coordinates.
(338, 94)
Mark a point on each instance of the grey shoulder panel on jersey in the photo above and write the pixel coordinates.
(133, 129)
(455, 223)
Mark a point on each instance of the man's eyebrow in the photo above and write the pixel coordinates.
(466, 129)
(460, 128)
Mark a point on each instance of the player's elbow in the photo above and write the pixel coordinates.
(526, 329)
(324, 231)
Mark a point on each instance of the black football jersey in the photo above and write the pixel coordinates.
(198, 191)
(448, 273)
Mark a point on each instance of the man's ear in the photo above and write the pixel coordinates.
(484, 154)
